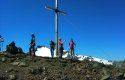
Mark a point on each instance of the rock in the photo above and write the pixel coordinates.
(15, 63)
(10, 60)
(64, 78)
(94, 70)
(12, 77)
(45, 78)
(119, 76)
(31, 71)
(104, 71)
(107, 77)
(35, 71)
(22, 64)
(4, 59)
(11, 56)
(78, 68)
(3, 78)
(10, 70)
(88, 77)
(44, 68)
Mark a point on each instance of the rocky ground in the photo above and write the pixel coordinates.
(24, 67)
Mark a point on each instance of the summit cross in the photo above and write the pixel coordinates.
(56, 10)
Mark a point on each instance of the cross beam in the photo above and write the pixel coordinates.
(56, 10)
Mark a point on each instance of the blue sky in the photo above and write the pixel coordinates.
(97, 26)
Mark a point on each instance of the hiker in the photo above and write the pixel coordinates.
(52, 47)
(32, 45)
(71, 46)
(60, 47)
(0, 42)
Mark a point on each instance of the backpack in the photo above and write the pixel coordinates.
(52, 44)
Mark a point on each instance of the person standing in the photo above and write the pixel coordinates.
(52, 47)
(61, 48)
(0, 42)
(32, 45)
(71, 46)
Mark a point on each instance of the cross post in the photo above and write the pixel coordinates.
(56, 10)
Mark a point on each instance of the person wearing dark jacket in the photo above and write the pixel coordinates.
(32, 46)
(52, 47)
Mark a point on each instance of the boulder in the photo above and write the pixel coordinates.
(3, 77)
(88, 77)
(45, 78)
(4, 59)
(106, 77)
(12, 77)
(119, 76)
(15, 63)
(9, 70)
(13, 49)
(35, 71)
(22, 64)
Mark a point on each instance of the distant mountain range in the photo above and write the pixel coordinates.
(45, 52)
